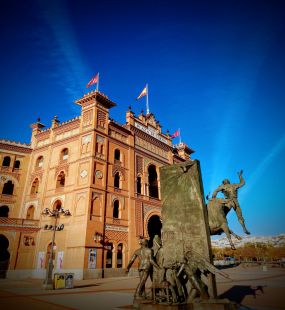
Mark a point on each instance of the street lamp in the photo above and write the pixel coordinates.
(100, 238)
(48, 284)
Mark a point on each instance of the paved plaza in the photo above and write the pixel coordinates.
(251, 287)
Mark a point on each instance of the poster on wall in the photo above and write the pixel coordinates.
(92, 259)
(41, 260)
(59, 260)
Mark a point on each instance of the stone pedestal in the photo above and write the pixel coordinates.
(212, 304)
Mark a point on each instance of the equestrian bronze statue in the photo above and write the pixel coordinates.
(218, 208)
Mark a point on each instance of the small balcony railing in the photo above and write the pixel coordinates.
(19, 223)
(7, 198)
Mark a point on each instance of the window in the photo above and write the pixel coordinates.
(57, 205)
(100, 145)
(109, 255)
(117, 154)
(39, 162)
(6, 161)
(64, 154)
(139, 185)
(120, 255)
(152, 181)
(60, 180)
(8, 188)
(30, 212)
(117, 180)
(116, 208)
(17, 164)
(4, 211)
(35, 186)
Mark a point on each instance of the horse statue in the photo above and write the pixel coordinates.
(218, 208)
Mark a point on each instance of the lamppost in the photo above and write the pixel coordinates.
(48, 284)
(100, 238)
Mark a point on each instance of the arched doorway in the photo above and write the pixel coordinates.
(154, 228)
(4, 256)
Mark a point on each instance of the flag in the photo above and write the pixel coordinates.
(176, 133)
(93, 80)
(143, 93)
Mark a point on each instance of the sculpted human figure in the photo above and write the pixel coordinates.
(158, 273)
(230, 192)
(145, 255)
(195, 266)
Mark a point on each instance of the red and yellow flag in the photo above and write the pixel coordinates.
(143, 93)
(94, 80)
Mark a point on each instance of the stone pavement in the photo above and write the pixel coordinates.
(251, 287)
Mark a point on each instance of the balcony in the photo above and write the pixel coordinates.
(19, 224)
(15, 172)
(6, 169)
(7, 198)
(100, 156)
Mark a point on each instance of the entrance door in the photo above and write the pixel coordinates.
(4, 256)
(154, 228)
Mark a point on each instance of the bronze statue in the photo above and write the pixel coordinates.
(195, 266)
(145, 255)
(218, 208)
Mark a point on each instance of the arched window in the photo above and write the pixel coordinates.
(6, 161)
(109, 255)
(17, 164)
(117, 154)
(117, 180)
(64, 154)
(30, 212)
(139, 185)
(120, 255)
(39, 162)
(60, 180)
(4, 211)
(116, 209)
(57, 205)
(35, 186)
(152, 181)
(8, 188)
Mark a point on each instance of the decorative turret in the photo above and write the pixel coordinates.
(183, 150)
(36, 128)
(95, 110)
(55, 122)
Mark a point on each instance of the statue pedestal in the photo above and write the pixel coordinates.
(211, 304)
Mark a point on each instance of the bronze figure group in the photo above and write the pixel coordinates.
(176, 284)
(185, 275)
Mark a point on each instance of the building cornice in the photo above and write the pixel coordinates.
(15, 146)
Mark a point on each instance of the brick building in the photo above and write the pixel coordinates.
(106, 174)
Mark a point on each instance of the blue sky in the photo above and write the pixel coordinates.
(215, 69)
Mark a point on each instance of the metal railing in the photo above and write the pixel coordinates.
(7, 221)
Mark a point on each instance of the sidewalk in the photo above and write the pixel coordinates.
(251, 287)
(109, 293)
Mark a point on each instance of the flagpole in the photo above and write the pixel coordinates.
(147, 106)
(179, 137)
(98, 83)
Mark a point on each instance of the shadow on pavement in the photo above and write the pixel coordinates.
(238, 292)
(85, 285)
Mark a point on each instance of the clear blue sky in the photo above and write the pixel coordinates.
(215, 69)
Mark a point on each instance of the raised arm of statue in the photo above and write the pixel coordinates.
(241, 180)
(219, 189)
